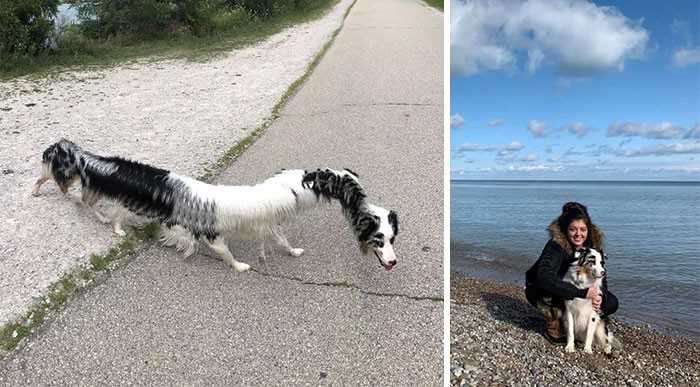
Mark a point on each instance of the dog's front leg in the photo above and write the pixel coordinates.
(119, 218)
(569, 331)
(282, 241)
(590, 332)
(220, 247)
(45, 175)
(604, 337)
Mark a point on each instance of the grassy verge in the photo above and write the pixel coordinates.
(60, 292)
(438, 4)
(236, 29)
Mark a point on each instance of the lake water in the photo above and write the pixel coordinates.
(652, 239)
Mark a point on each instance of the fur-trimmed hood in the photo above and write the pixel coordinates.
(596, 237)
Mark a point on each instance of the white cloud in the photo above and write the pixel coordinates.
(664, 150)
(686, 56)
(660, 131)
(537, 128)
(535, 168)
(503, 152)
(694, 132)
(529, 158)
(496, 122)
(577, 36)
(456, 121)
(578, 129)
(514, 146)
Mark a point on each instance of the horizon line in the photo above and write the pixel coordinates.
(585, 180)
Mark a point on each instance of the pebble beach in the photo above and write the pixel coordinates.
(496, 338)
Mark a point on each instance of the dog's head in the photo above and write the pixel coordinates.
(61, 160)
(590, 262)
(377, 231)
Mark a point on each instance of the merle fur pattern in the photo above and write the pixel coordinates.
(194, 210)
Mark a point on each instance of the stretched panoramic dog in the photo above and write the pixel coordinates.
(194, 211)
(582, 321)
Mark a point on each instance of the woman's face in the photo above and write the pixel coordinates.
(577, 233)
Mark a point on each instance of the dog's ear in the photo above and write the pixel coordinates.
(394, 221)
(366, 226)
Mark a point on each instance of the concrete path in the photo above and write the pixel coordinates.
(330, 317)
(177, 114)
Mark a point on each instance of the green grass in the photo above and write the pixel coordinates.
(235, 29)
(439, 4)
(60, 291)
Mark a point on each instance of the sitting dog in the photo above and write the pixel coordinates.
(212, 214)
(582, 321)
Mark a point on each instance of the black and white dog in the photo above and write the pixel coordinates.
(195, 211)
(583, 323)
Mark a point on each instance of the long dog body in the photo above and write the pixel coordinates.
(582, 321)
(196, 211)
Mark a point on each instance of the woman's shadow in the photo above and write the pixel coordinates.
(513, 310)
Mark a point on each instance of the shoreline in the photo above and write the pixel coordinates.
(496, 338)
(508, 268)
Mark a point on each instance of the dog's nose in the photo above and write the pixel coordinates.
(392, 263)
(602, 272)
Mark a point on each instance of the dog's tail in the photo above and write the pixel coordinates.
(179, 238)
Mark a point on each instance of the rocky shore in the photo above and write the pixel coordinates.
(496, 338)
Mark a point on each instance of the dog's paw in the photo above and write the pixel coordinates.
(569, 348)
(296, 252)
(588, 350)
(241, 267)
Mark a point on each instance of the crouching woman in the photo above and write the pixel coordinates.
(544, 285)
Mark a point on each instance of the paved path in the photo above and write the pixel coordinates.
(332, 317)
(149, 111)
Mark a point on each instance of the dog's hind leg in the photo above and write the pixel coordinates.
(591, 328)
(89, 198)
(569, 331)
(220, 247)
(45, 175)
(282, 241)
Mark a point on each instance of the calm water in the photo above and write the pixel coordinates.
(652, 239)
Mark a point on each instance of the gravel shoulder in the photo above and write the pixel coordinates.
(496, 338)
(176, 114)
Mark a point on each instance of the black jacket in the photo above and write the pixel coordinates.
(545, 277)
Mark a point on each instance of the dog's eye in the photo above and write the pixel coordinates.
(379, 235)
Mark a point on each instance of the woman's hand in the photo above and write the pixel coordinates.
(593, 294)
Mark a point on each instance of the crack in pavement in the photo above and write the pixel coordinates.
(347, 285)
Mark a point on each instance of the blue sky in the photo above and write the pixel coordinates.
(564, 89)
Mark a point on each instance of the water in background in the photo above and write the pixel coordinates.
(652, 239)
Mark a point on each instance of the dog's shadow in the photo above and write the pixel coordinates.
(514, 311)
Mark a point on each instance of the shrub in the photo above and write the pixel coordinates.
(197, 15)
(25, 26)
(267, 8)
(146, 18)
(143, 18)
